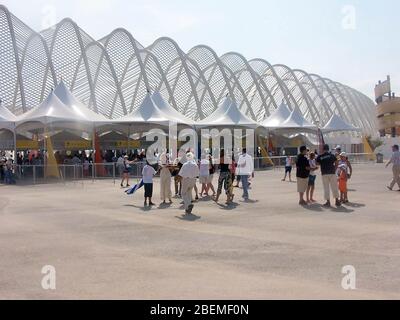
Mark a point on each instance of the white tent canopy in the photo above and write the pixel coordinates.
(227, 115)
(336, 124)
(297, 122)
(278, 117)
(148, 112)
(67, 98)
(168, 109)
(7, 119)
(52, 112)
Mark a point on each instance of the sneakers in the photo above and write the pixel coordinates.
(327, 204)
(338, 203)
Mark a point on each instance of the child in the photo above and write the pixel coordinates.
(148, 173)
(312, 178)
(342, 178)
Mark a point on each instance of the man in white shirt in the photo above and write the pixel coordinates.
(395, 161)
(245, 169)
(189, 172)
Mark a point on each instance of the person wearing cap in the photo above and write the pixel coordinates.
(342, 174)
(344, 165)
(395, 161)
(328, 163)
(188, 173)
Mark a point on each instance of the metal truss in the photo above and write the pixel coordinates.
(112, 76)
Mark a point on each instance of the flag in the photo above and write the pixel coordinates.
(321, 141)
(136, 187)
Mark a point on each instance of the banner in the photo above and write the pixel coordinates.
(27, 144)
(77, 144)
(123, 144)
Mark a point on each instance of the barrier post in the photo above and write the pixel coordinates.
(34, 174)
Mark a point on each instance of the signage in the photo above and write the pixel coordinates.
(77, 144)
(27, 144)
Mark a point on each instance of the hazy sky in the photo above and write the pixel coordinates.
(355, 42)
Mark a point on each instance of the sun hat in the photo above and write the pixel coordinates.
(343, 154)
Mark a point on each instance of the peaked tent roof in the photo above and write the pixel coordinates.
(165, 107)
(297, 121)
(66, 97)
(7, 119)
(148, 112)
(338, 124)
(278, 117)
(51, 110)
(227, 114)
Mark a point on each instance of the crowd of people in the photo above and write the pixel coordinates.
(336, 170)
(186, 170)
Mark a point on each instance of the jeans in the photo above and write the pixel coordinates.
(245, 184)
(8, 178)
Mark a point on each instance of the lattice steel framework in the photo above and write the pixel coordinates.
(113, 74)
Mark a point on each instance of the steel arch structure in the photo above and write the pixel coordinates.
(112, 76)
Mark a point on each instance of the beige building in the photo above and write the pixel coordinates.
(388, 109)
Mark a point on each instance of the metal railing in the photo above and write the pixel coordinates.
(37, 174)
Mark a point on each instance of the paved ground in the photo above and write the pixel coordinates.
(103, 244)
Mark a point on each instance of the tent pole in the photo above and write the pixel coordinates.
(45, 150)
(129, 133)
(15, 143)
(94, 151)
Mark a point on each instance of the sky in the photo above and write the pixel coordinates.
(355, 42)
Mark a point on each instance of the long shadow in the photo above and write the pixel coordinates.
(144, 209)
(354, 205)
(228, 207)
(341, 209)
(163, 206)
(314, 207)
(188, 217)
(249, 201)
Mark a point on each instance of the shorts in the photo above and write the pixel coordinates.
(302, 184)
(203, 179)
(311, 180)
(148, 190)
(288, 169)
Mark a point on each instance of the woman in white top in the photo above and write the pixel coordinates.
(311, 179)
(288, 168)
